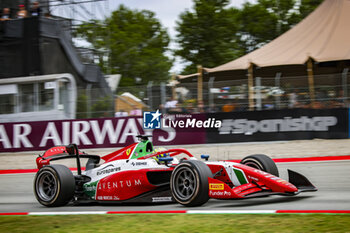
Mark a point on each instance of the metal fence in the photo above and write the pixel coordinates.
(39, 101)
(94, 103)
(330, 91)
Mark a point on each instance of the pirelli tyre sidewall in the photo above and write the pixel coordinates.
(261, 162)
(54, 185)
(189, 183)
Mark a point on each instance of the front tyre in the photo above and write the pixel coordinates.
(189, 183)
(261, 162)
(54, 185)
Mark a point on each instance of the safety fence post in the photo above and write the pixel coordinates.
(278, 85)
(258, 92)
(149, 94)
(210, 86)
(345, 86)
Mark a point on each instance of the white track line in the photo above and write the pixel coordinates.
(231, 211)
(67, 213)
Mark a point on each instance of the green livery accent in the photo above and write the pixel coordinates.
(142, 148)
(90, 189)
(240, 176)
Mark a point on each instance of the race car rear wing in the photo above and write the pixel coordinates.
(68, 152)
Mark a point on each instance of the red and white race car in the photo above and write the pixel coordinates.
(140, 173)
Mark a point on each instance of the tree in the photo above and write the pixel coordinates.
(214, 34)
(267, 19)
(206, 35)
(257, 26)
(137, 43)
(308, 6)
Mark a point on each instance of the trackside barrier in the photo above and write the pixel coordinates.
(268, 125)
(279, 125)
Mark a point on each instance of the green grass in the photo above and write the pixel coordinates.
(193, 223)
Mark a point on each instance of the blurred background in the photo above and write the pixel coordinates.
(66, 59)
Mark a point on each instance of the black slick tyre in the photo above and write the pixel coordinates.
(261, 162)
(189, 183)
(54, 185)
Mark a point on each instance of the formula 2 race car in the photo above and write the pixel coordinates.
(140, 173)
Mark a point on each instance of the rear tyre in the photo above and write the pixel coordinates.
(54, 185)
(261, 162)
(189, 183)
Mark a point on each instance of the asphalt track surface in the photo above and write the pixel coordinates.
(330, 177)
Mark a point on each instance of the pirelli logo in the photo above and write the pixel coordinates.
(216, 186)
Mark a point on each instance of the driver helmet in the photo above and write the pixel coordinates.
(161, 155)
